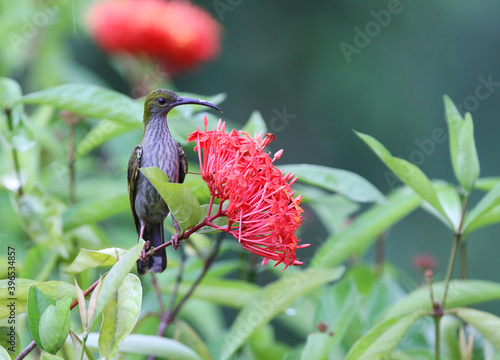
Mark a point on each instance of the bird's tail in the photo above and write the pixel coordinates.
(157, 263)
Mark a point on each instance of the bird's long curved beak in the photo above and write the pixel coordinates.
(188, 100)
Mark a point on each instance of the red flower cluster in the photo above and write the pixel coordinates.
(425, 262)
(180, 34)
(262, 212)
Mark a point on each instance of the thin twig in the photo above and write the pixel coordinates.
(158, 292)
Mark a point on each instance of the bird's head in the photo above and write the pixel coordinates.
(161, 101)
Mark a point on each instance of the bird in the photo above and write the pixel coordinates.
(157, 148)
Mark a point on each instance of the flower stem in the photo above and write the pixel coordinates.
(463, 260)
(437, 320)
(449, 271)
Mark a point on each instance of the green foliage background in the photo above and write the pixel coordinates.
(280, 57)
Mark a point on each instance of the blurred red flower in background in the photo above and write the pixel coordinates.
(178, 33)
(425, 262)
(262, 212)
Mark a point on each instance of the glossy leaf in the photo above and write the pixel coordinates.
(54, 325)
(364, 230)
(346, 183)
(317, 347)
(255, 124)
(180, 200)
(120, 315)
(4, 355)
(490, 200)
(89, 100)
(89, 259)
(381, 340)
(38, 302)
(460, 293)
(151, 345)
(272, 300)
(462, 146)
(226, 292)
(115, 277)
(487, 324)
(407, 172)
(94, 210)
(104, 131)
(56, 289)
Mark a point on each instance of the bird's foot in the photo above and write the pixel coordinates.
(176, 241)
(144, 256)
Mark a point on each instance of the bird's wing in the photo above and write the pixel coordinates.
(183, 168)
(133, 170)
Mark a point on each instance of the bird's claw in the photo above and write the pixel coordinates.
(176, 241)
(144, 256)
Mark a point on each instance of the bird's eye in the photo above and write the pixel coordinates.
(162, 101)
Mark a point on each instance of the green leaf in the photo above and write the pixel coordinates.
(4, 355)
(10, 92)
(115, 277)
(491, 217)
(408, 173)
(255, 124)
(89, 100)
(272, 300)
(316, 347)
(77, 345)
(226, 292)
(102, 132)
(38, 302)
(47, 356)
(379, 342)
(54, 325)
(89, 259)
(487, 324)
(151, 345)
(462, 146)
(346, 183)
(490, 200)
(184, 333)
(365, 228)
(120, 315)
(486, 183)
(94, 210)
(180, 200)
(9, 339)
(460, 293)
(56, 289)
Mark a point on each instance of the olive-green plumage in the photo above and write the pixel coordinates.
(159, 149)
